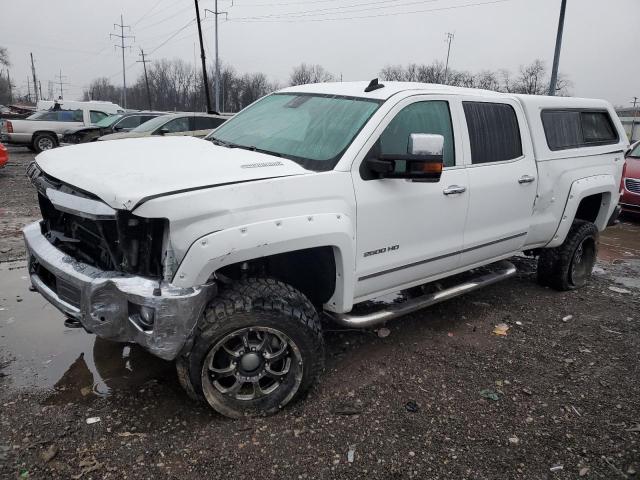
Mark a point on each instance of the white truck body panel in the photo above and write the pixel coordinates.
(226, 206)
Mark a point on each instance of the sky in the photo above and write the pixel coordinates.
(350, 38)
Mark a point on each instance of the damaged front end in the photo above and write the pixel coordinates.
(110, 270)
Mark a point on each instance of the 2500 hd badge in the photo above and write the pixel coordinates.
(381, 250)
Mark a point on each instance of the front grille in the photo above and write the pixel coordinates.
(125, 243)
(633, 185)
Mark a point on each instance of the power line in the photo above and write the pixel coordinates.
(147, 12)
(122, 46)
(332, 10)
(386, 14)
(188, 24)
(171, 17)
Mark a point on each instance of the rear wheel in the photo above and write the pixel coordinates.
(259, 346)
(569, 265)
(44, 141)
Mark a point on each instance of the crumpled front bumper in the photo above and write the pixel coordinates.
(108, 303)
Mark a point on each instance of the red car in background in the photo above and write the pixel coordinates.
(4, 155)
(630, 199)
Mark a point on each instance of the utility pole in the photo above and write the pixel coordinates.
(61, 83)
(28, 90)
(217, 13)
(446, 67)
(10, 89)
(35, 82)
(40, 88)
(204, 62)
(556, 55)
(122, 46)
(146, 78)
(633, 120)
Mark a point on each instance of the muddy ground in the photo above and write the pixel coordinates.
(558, 397)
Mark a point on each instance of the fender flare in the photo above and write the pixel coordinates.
(262, 239)
(582, 188)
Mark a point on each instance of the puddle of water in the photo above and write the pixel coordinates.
(73, 364)
(620, 242)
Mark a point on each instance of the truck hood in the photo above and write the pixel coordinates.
(126, 173)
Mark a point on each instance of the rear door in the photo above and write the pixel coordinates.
(502, 176)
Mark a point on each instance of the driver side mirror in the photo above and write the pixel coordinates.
(422, 163)
(163, 131)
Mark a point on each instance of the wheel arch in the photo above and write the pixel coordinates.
(592, 199)
(45, 132)
(288, 249)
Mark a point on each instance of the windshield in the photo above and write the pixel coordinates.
(313, 130)
(152, 124)
(108, 121)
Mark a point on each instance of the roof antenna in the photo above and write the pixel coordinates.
(373, 85)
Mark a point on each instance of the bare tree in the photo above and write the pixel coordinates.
(303, 74)
(392, 73)
(532, 78)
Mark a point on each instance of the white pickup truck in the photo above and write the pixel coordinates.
(44, 129)
(225, 254)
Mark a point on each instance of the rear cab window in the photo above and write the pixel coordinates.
(494, 132)
(578, 128)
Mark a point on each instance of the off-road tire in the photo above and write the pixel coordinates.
(259, 303)
(40, 137)
(555, 264)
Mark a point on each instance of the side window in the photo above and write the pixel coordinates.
(129, 122)
(597, 128)
(146, 118)
(70, 116)
(420, 117)
(48, 116)
(494, 133)
(562, 129)
(178, 125)
(96, 116)
(208, 123)
(577, 128)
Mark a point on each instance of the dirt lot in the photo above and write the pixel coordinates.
(558, 397)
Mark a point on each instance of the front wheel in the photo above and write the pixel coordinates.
(569, 266)
(259, 346)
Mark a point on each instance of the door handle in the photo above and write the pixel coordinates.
(526, 179)
(454, 189)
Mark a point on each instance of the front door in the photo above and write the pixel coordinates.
(409, 231)
(502, 180)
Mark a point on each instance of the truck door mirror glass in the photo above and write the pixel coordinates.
(426, 144)
(423, 161)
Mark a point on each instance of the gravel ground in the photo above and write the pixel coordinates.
(440, 397)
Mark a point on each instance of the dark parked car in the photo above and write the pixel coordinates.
(111, 124)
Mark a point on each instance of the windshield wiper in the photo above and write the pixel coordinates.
(222, 143)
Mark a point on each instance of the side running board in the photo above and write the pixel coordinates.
(503, 270)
